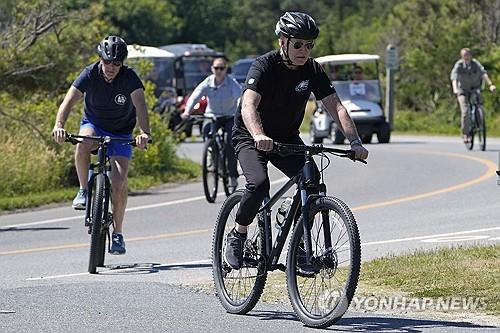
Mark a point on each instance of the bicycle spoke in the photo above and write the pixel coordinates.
(321, 293)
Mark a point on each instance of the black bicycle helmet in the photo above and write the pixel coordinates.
(297, 25)
(112, 48)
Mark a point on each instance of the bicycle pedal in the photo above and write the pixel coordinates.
(306, 272)
(281, 267)
(250, 262)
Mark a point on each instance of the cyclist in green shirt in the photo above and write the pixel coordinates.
(466, 76)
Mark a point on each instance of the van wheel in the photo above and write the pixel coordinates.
(366, 138)
(312, 135)
(384, 133)
(338, 137)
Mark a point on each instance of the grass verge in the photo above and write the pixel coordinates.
(183, 170)
(461, 272)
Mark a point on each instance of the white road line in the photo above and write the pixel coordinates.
(56, 276)
(162, 204)
(207, 261)
(186, 263)
(429, 236)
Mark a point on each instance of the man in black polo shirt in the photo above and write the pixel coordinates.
(276, 91)
(113, 99)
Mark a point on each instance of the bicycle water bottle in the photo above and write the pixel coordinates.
(283, 211)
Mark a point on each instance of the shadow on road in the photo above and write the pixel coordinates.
(148, 268)
(32, 229)
(378, 324)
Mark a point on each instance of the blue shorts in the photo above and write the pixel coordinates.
(114, 148)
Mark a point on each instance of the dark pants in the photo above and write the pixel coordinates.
(227, 124)
(464, 100)
(254, 165)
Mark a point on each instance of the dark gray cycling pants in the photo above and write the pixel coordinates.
(254, 164)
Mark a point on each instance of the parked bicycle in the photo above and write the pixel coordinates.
(478, 123)
(324, 253)
(98, 208)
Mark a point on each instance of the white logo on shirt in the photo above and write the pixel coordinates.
(251, 80)
(302, 86)
(120, 99)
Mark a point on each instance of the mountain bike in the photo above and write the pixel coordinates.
(324, 253)
(214, 160)
(478, 123)
(98, 208)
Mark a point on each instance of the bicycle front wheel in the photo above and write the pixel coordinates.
(238, 289)
(98, 236)
(481, 128)
(321, 292)
(210, 169)
(225, 175)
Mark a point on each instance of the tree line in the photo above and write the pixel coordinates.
(45, 43)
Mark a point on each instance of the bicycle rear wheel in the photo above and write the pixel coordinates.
(322, 295)
(481, 128)
(210, 167)
(238, 289)
(98, 236)
(473, 130)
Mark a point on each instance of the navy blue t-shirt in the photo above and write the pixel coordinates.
(284, 95)
(108, 105)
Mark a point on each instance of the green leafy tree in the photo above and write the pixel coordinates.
(144, 22)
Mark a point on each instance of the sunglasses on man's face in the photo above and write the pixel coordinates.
(115, 63)
(298, 45)
(219, 68)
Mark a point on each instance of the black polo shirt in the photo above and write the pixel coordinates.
(284, 92)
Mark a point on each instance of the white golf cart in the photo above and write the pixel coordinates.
(361, 96)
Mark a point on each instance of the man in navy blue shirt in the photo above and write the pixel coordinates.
(113, 100)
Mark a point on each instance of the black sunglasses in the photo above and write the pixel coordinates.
(219, 68)
(115, 63)
(298, 45)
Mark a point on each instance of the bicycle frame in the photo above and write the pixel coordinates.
(308, 189)
(102, 166)
(474, 100)
(217, 132)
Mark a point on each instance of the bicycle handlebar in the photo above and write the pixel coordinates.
(315, 150)
(210, 117)
(74, 139)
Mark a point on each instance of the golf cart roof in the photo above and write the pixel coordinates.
(340, 59)
(139, 51)
(186, 50)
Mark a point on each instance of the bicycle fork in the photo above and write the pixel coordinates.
(308, 185)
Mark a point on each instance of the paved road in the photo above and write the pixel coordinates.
(417, 192)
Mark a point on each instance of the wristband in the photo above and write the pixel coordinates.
(144, 132)
(356, 142)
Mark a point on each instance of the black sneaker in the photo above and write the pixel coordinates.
(233, 251)
(118, 244)
(303, 269)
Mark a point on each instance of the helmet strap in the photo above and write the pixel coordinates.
(285, 53)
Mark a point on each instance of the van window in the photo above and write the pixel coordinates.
(196, 70)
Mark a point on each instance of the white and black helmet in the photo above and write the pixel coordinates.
(112, 48)
(297, 25)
